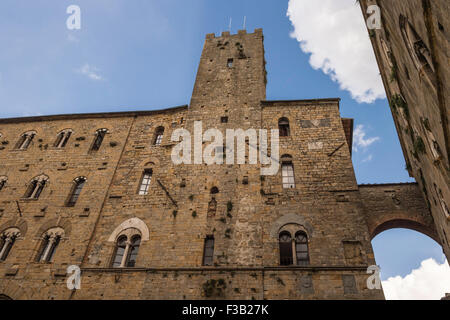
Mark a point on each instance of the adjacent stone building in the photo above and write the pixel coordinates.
(412, 50)
(100, 191)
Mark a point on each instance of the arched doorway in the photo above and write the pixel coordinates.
(4, 297)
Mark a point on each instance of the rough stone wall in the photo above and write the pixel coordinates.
(416, 78)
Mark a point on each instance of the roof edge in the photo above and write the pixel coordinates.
(92, 115)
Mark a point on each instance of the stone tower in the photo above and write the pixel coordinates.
(144, 227)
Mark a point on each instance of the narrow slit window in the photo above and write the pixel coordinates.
(208, 253)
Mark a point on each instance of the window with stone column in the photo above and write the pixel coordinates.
(126, 249)
(62, 138)
(25, 140)
(49, 243)
(293, 250)
(7, 240)
(35, 187)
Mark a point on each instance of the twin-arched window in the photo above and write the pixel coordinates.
(127, 248)
(62, 138)
(293, 251)
(35, 187)
(7, 239)
(50, 241)
(25, 140)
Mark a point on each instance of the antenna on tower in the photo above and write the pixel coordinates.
(229, 27)
(243, 28)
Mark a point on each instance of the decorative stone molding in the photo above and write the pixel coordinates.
(134, 223)
(290, 218)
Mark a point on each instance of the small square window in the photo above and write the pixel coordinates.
(230, 63)
(224, 119)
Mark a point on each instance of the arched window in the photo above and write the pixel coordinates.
(133, 250)
(145, 182)
(35, 187)
(25, 140)
(159, 133)
(287, 172)
(3, 180)
(63, 138)
(417, 49)
(99, 136)
(127, 248)
(50, 241)
(285, 248)
(283, 127)
(208, 251)
(301, 248)
(78, 184)
(7, 239)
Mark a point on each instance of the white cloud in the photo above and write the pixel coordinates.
(335, 35)
(90, 72)
(430, 282)
(360, 140)
(367, 159)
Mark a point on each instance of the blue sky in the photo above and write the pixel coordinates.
(143, 55)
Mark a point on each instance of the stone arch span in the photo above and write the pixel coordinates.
(389, 206)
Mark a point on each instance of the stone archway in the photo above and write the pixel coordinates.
(389, 206)
(4, 297)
